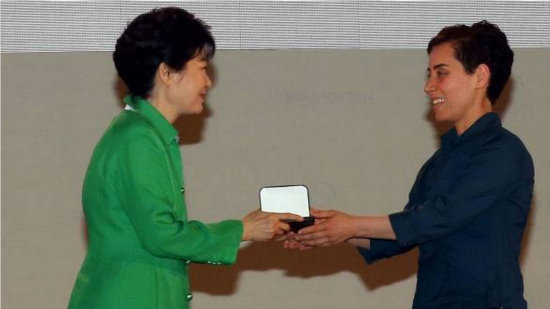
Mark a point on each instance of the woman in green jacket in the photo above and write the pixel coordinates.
(140, 239)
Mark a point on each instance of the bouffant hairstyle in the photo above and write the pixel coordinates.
(170, 35)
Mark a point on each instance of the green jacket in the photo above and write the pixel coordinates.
(139, 238)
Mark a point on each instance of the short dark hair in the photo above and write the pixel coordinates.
(170, 35)
(481, 43)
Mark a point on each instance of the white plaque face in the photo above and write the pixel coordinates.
(293, 199)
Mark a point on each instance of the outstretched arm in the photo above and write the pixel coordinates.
(335, 227)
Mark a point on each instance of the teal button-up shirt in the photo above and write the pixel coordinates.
(467, 212)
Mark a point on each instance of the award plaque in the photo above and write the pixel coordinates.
(289, 198)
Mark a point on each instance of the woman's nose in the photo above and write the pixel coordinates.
(208, 81)
(429, 86)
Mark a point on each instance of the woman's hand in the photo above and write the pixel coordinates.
(262, 226)
(290, 242)
(331, 227)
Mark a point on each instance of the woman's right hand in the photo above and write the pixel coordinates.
(262, 226)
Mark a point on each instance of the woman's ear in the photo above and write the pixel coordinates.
(164, 74)
(483, 75)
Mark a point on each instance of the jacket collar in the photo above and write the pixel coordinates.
(142, 106)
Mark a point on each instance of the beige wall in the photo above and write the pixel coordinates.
(351, 125)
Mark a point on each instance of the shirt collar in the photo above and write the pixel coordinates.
(142, 106)
(485, 122)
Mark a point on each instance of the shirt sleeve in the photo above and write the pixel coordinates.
(382, 248)
(486, 178)
(149, 200)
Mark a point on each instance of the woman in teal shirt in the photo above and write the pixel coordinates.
(140, 239)
(468, 207)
